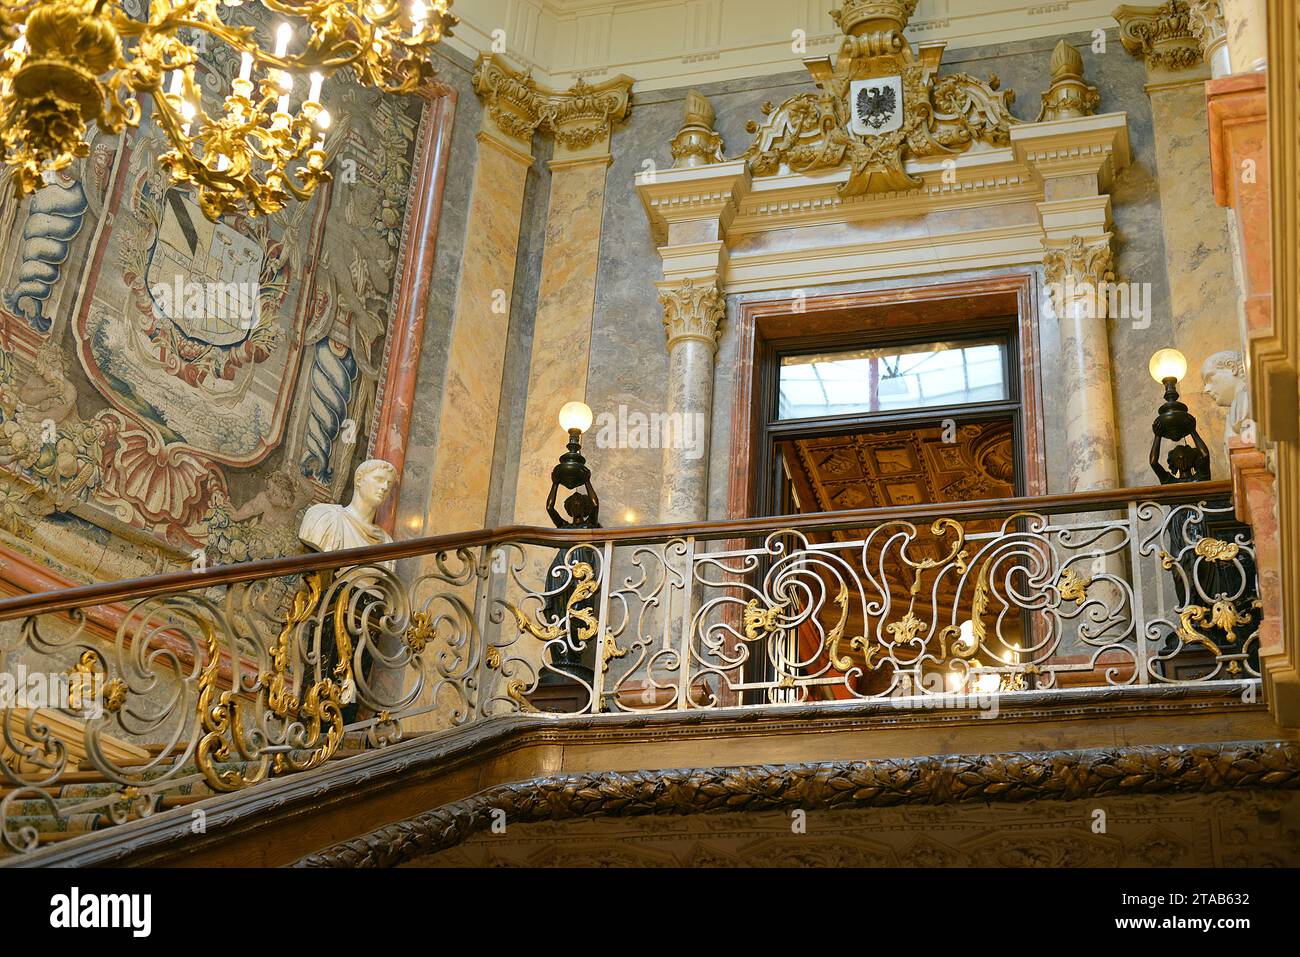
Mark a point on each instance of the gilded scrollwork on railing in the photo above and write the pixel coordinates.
(223, 687)
(1216, 609)
(561, 619)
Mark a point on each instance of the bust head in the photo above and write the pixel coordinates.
(1223, 376)
(580, 508)
(371, 483)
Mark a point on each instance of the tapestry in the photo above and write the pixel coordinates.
(188, 387)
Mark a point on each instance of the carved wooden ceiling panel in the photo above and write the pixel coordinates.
(896, 468)
(889, 469)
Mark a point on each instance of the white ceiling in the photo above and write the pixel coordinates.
(667, 43)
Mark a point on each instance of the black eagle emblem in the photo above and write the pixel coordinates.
(876, 104)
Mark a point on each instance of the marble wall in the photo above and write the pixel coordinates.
(628, 358)
(413, 493)
(1166, 236)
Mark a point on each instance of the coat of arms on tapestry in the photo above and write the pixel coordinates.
(188, 385)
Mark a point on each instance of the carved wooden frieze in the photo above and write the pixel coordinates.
(933, 780)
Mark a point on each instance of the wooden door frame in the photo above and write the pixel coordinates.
(936, 305)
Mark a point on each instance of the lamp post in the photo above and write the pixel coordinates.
(572, 473)
(1231, 582)
(1185, 462)
(572, 659)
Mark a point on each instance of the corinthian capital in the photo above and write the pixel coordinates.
(1208, 26)
(580, 117)
(693, 310)
(1079, 261)
(1162, 35)
(513, 100)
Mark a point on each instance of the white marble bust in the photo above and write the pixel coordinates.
(1224, 375)
(328, 528)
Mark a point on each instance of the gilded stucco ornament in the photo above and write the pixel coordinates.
(697, 143)
(1068, 96)
(579, 118)
(693, 311)
(1162, 35)
(879, 104)
(1090, 262)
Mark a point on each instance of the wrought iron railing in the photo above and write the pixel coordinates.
(220, 679)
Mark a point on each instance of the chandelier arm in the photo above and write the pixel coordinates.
(328, 61)
(88, 61)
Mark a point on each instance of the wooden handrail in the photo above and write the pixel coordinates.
(139, 588)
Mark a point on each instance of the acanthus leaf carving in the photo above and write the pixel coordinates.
(1080, 260)
(578, 117)
(1163, 36)
(693, 311)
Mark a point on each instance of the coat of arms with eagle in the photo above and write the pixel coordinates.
(876, 105)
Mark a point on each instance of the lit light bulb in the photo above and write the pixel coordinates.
(313, 94)
(1168, 364)
(629, 516)
(282, 37)
(323, 119)
(575, 416)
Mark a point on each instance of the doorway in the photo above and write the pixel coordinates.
(870, 424)
(887, 399)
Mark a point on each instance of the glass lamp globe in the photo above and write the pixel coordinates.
(575, 416)
(1168, 364)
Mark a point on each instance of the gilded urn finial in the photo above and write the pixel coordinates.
(1068, 96)
(697, 143)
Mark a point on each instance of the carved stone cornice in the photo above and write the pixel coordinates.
(580, 117)
(935, 780)
(1080, 261)
(877, 105)
(693, 310)
(1068, 96)
(1161, 35)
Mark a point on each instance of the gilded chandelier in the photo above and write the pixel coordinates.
(69, 63)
